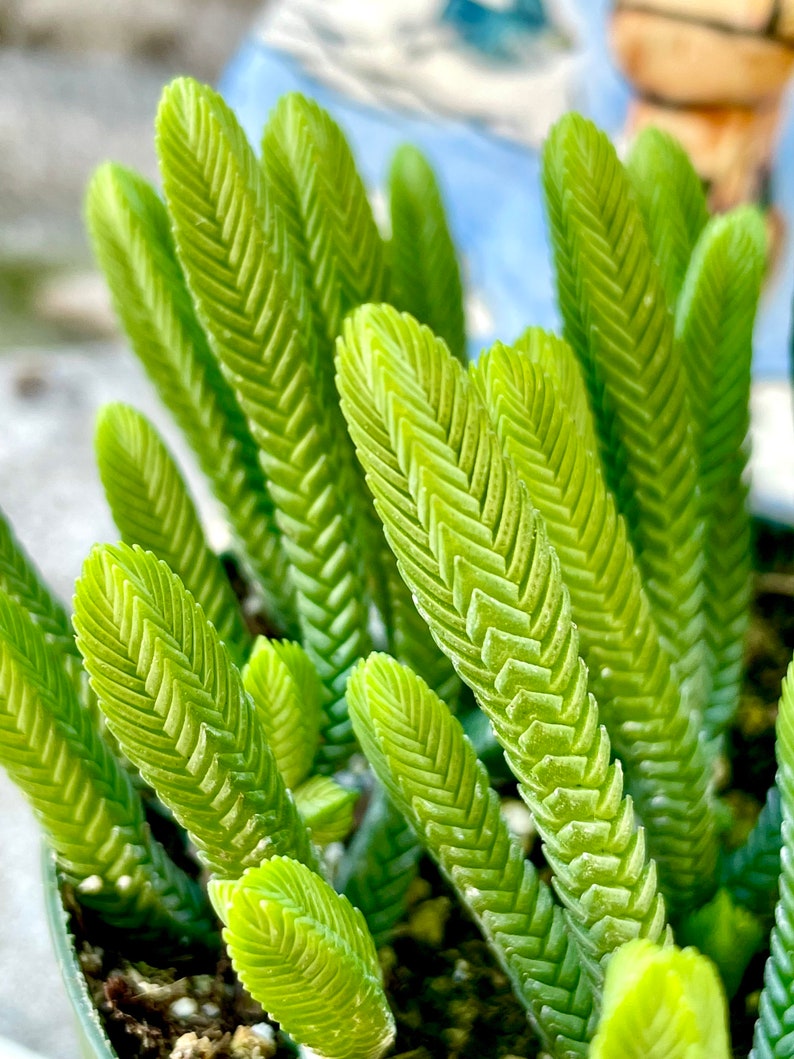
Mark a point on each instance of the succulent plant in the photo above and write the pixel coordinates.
(547, 551)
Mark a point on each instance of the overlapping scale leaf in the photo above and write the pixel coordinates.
(151, 506)
(305, 954)
(431, 773)
(234, 247)
(714, 326)
(662, 1003)
(557, 360)
(338, 253)
(176, 703)
(287, 693)
(425, 274)
(326, 808)
(82, 796)
(774, 1030)
(650, 726)
(617, 320)
(306, 154)
(477, 559)
(672, 201)
(131, 234)
(752, 871)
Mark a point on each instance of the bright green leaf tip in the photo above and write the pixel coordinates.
(661, 1002)
(305, 954)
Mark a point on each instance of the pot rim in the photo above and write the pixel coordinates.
(93, 1039)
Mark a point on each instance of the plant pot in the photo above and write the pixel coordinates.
(93, 1040)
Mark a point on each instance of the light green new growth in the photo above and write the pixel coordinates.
(662, 1003)
(773, 1030)
(231, 239)
(151, 505)
(304, 953)
(287, 694)
(425, 274)
(672, 202)
(432, 775)
(326, 808)
(82, 796)
(131, 234)
(651, 728)
(175, 702)
(714, 326)
(476, 557)
(616, 319)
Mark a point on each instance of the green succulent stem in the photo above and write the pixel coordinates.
(152, 506)
(431, 773)
(233, 245)
(174, 700)
(751, 872)
(672, 201)
(649, 723)
(82, 796)
(425, 274)
(772, 1036)
(618, 322)
(714, 327)
(476, 557)
(131, 234)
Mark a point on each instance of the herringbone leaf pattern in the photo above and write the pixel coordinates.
(231, 239)
(305, 954)
(752, 871)
(287, 694)
(131, 234)
(151, 506)
(176, 704)
(326, 807)
(617, 320)
(82, 796)
(477, 559)
(431, 773)
(714, 326)
(650, 726)
(774, 1030)
(672, 202)
(425, 274)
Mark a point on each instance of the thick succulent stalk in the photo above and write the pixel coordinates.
(649, 723)
(476, 556)
(233, 244)
(152, 507)
(83, 797)
(176, 703)
(617, 320)
(419, 753)
(772, 1037)
(714, 326)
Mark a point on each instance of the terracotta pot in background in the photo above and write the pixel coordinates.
(712, 73)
